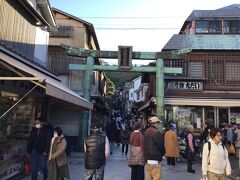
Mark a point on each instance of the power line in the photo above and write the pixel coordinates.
(128, 28)
(129, 17)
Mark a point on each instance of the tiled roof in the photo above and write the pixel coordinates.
(203, 42)
(228, 11)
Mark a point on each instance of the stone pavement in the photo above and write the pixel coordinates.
(117, 168)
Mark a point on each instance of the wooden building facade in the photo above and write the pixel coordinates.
(75, 32)
(208, 89)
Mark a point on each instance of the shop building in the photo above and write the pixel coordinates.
(75, 32)
(28, 89)
(208, 89)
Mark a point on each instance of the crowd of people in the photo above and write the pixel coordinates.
(148, 146)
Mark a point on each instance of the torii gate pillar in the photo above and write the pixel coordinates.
(160, 90)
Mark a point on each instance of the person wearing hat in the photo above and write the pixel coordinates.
(96, 148)
(153, 150)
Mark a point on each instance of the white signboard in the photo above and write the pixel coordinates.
(185, 85)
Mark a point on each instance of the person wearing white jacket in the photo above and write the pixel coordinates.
(215, 162)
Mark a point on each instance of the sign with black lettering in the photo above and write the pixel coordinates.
(125, 57)
(185, 85)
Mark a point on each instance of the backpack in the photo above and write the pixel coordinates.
(209, 149)
(125, 135)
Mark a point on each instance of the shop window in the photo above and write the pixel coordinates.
(231, 27)
(196, 69)
(235, 115)
(15, 127)
(223, 117)
(209, 116)
(208, 27)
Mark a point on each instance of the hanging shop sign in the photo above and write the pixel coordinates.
(185, 85)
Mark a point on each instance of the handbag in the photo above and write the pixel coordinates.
(136, 156)
(231, 149)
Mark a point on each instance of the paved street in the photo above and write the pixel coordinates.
(117, 168)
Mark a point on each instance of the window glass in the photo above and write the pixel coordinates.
(213, 26)
(232, 26)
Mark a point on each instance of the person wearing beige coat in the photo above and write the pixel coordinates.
(58, 156)
(171, 146)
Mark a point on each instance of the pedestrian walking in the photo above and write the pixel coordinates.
(136, 158)
(190, 148)
(124, 139)
(38, 148)
(112, 133)
(57, 164)
(215, 161)
(96, 148)
(171, 146)
(153, 150)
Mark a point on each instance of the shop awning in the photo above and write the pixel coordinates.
(196, 102)
(53, 86)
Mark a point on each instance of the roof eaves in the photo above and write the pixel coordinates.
(34, 13)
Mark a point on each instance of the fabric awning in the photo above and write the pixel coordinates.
(196, 102)
(52, 84)
(60, 91)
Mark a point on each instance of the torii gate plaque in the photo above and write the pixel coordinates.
(125, 56)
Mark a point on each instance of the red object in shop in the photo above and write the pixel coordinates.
(27, 168)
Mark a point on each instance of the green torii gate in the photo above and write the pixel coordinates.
(124, 56)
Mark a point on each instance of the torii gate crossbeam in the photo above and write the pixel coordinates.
(159, 69)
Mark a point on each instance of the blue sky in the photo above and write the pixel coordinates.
(146, 25)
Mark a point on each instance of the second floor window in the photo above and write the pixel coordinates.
(232, 26)
(232, 71)
(196, 69)
(208, 27)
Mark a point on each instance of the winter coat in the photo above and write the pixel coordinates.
(95, 150)
(217, 160)
(171, 144)
(58, 150)
(153, 144)
(39, 140)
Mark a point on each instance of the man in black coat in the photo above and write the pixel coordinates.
(38, 148)
(153, 149)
